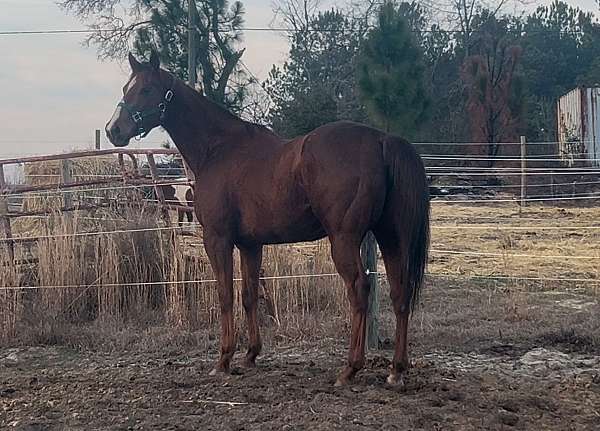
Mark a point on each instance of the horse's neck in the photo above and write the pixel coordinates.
(198, 126)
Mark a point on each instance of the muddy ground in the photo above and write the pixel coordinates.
(483, 359)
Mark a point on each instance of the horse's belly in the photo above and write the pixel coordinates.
(278, 227)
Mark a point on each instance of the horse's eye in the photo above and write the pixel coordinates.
(146, 90)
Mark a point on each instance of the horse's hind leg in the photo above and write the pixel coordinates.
(345, 251)
(251, 258)
(392, 255)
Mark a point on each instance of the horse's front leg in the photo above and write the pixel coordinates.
(220, 253)
(251, 258)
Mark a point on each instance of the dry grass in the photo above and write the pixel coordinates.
(136, 279)
(487, 229)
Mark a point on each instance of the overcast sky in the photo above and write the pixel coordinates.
(54, 92)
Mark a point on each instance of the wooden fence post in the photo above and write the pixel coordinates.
(523, 172)
(189, 174)
(369, 256)
(4, 219)
(97, 139)
(157, 189)
(66, 178)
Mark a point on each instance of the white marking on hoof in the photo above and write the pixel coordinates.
(339, 383)
(213, 372)
(395, 380)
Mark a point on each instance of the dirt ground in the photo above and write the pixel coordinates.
(475, 367)
(487, 354)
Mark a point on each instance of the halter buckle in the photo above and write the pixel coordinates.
(168, 95)
(136, 117)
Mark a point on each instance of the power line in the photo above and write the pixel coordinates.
(270, 29)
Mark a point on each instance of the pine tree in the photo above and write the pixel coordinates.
(390, 75)
(316, 84)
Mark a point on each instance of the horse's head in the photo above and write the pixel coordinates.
(145, 100)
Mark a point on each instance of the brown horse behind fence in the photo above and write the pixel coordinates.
(183, 196)
(254, 188)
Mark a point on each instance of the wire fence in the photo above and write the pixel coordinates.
(472, 173)
(301, 276)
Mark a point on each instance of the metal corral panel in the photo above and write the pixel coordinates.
(579, 125)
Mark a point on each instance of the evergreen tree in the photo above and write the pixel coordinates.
(316, 85)
(390, 75)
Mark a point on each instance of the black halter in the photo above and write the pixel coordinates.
(138, 116)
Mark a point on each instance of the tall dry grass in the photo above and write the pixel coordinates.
(152, 278)
(137, 281)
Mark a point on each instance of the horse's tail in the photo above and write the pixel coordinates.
(408, 196)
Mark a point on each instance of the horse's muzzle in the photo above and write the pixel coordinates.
(115, 136)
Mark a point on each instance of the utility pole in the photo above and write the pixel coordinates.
(192, 12)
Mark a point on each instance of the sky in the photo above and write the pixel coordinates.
(54, 92)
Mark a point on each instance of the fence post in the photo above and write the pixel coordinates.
(4, 219)
(97, 140)
(157, 189)
(523, 172)
(189, 174)
(66, 178)
(369, 256)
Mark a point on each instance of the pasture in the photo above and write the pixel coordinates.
(506, 335)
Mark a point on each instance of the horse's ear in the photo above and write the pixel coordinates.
(154, 60)
(135, 65)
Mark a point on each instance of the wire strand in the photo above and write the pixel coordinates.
(507, 255)
(292, 277)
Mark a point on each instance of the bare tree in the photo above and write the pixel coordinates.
(460, 14)
(295, 15)
(123, 25)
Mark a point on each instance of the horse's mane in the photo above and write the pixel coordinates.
(250, 126)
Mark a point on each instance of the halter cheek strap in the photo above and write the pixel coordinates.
(139, 116)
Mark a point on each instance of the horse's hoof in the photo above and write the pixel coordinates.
(217, 372)
(345, 377)
(249, 363)
(341, 382)
(396, 380)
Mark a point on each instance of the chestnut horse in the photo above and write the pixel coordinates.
(254, 188)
